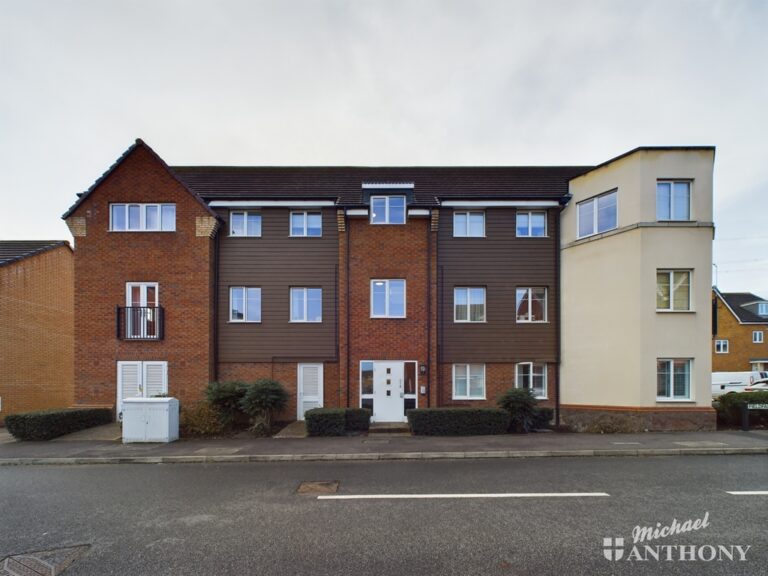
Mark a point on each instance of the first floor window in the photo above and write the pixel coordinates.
(673, 200)
(388, 298)
(721, 346)
(469, 381)
(469, 224)
(142, 217)
(673, 379)
(531, 224)
(387, 209)
(306, 224)
(532, 376)
(243, 223)
(673, 290)
(469, 304)
(531, 304)
(306, 304)
(244, 304)
(757, 337)
(598, 214)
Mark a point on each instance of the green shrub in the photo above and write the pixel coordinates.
(357, 419)
(542, 418)
(520, 404)
(261, 400)
(457, 421)
(728, 408)
(200, 420)
(225, 398)
(47, 424)
(326, 421)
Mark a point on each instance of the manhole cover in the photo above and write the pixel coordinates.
(318, 487)
(42, 563)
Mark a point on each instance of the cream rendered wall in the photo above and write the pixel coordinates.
(611, 333)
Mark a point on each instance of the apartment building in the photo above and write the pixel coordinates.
(739, 332)
(387, 288)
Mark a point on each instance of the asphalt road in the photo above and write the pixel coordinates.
(248, 518)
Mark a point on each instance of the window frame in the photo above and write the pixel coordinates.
(142, 216)
(305, 219)
(467, 215)
(671, 273)
(545, 395)
(722, 346)
(671, 206)
(245, 214)
(469, 305)
(530, 228)
(595, 218)
(387, 298)
(387, 199)
(305, 315)
(671, 383)
(530, 294)
(762, 308)
(468, 372)
(245, 320)
(758, 337)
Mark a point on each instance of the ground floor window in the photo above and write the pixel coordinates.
(469, 381)
(533, 376)
(721, 346)
(673, 379)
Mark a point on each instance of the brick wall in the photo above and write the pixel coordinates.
(181, 262)
(37, 332)
(740, 347)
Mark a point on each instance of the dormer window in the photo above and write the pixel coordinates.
(762, 308)
(387, 209)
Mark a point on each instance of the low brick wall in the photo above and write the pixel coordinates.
(613, 420)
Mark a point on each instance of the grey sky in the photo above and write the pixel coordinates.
(385, 82)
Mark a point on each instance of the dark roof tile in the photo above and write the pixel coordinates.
(736, 302)
(15, 250)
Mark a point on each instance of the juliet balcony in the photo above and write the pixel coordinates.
(140, 322)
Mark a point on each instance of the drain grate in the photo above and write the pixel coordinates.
(317, 488)
(41, 563)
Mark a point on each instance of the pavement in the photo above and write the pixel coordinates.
(94, 449)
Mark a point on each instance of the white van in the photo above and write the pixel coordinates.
(725, 382)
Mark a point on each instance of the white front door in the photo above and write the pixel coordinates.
(137, 379)
(310, 388)
(388, 392)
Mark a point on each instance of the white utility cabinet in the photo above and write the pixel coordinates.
(150, 420)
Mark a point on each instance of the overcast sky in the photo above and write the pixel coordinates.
(382, 83)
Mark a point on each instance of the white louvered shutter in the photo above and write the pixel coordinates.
(129, 382)
(310, 388)
(155, 378)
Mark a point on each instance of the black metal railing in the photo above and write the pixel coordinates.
(140, 323)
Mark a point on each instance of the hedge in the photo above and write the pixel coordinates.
(47, 424)
(458, 421)
(728, 408)
(337, 421)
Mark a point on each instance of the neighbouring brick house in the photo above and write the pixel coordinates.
(739, 332)
(36, 325)
(386, 288)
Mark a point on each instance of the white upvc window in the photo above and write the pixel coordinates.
(306, 305)
(306, 224)
(244, 223)
(134, 217)
(673, 200)
(532, 376)
(387, 298)
(757, 336)
(531, 305)
(244, 304)
(531, 224)
(468, 224)
(469, 304)
(469, 381)
(673, 379)
(762, 309)
(721, 346)
(597, 215)
(387, 209)
(673, 290)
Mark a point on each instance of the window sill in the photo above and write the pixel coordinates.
(531, 321)
(470, 321)
(471, 237)
(244, 236)
(305, 321)
(535, 237)
(663, 311)
(243, 321)
(304, 236)
(142, 231)
(467, 398)
(389, 317)
(675, 401)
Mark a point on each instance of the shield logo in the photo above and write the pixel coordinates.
(613, 549)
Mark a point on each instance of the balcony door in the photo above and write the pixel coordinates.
(141, 301)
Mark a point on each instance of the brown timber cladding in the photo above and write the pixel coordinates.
(275, 262)
(501, 262)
